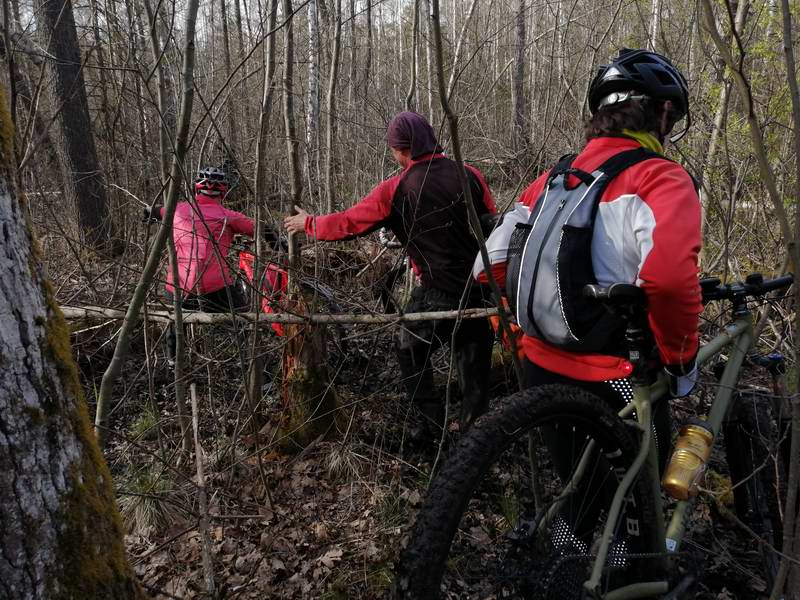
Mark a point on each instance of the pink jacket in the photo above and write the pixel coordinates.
(203, 233)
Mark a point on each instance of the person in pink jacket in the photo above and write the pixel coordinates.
(203, 232)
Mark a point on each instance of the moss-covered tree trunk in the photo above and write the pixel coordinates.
(310, 401)
(60, 534)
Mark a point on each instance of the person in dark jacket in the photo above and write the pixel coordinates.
(424, 206)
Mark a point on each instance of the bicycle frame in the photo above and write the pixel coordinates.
(738, 335)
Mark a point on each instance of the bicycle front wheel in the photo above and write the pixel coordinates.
(518, 509)
(757, 470)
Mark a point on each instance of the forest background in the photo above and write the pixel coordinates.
(117, 103)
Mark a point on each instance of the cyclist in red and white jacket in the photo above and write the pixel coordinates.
(424, 206)
(647, 229)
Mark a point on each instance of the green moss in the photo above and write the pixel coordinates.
(313, 407)
(91, 555)
(91, 540)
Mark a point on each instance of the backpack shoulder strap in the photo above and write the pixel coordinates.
(563, 165)
(616, 165)
(619, 162)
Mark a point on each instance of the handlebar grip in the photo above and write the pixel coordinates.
(777, 283)
(616, 292)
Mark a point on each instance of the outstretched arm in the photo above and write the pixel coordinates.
(366, 216)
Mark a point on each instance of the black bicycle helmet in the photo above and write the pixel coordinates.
(211, 181)
(640, 72)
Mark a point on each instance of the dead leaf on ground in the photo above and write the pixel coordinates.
(331, 557)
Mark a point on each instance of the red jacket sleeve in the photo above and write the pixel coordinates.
(668, 272)
(362, 218)
(240, 223)
(488, 200)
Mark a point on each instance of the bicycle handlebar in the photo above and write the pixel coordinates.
(754, 285)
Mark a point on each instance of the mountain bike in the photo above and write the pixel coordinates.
(506, 518)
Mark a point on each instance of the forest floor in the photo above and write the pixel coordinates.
(328, 521)
(337, 513)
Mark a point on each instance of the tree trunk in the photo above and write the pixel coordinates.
(330, 129)
(62, 536)
(411, 95)
(310, 401)
(233, 130)
(353, 53)
(288, 106)
(255, 374)
(791, 524)
(518, 85)
(154, 257)
(85, 179)
(429, 62)
(368, 61)
(312, 112)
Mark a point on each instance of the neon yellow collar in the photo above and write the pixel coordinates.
(646, 139)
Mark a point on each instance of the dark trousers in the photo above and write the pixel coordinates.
(226, 299)
(472, 353)
(565, 450)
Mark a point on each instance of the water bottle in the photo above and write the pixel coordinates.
(688, 462)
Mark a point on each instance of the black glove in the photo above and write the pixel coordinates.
(151, 214)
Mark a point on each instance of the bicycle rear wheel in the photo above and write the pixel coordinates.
(487, 529)
(752, 447)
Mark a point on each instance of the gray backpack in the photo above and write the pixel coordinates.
(550, 259)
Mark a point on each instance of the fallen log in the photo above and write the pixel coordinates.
(73, 313)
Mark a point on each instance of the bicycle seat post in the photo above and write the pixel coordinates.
(636, 342)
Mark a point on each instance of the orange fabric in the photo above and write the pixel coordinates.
(516, 332)
(273, 288)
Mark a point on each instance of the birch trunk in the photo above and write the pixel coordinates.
(411, 95)
(312, 112)
(62, 536)
(428, 62)
(330, 128)
(655, 16)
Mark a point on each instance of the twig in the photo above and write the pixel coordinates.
(208, 564)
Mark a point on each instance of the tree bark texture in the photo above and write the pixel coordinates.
(518, 76)
(84, 176)
(330, 105)
(60, 532)
(312, 112)
(233, 130)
